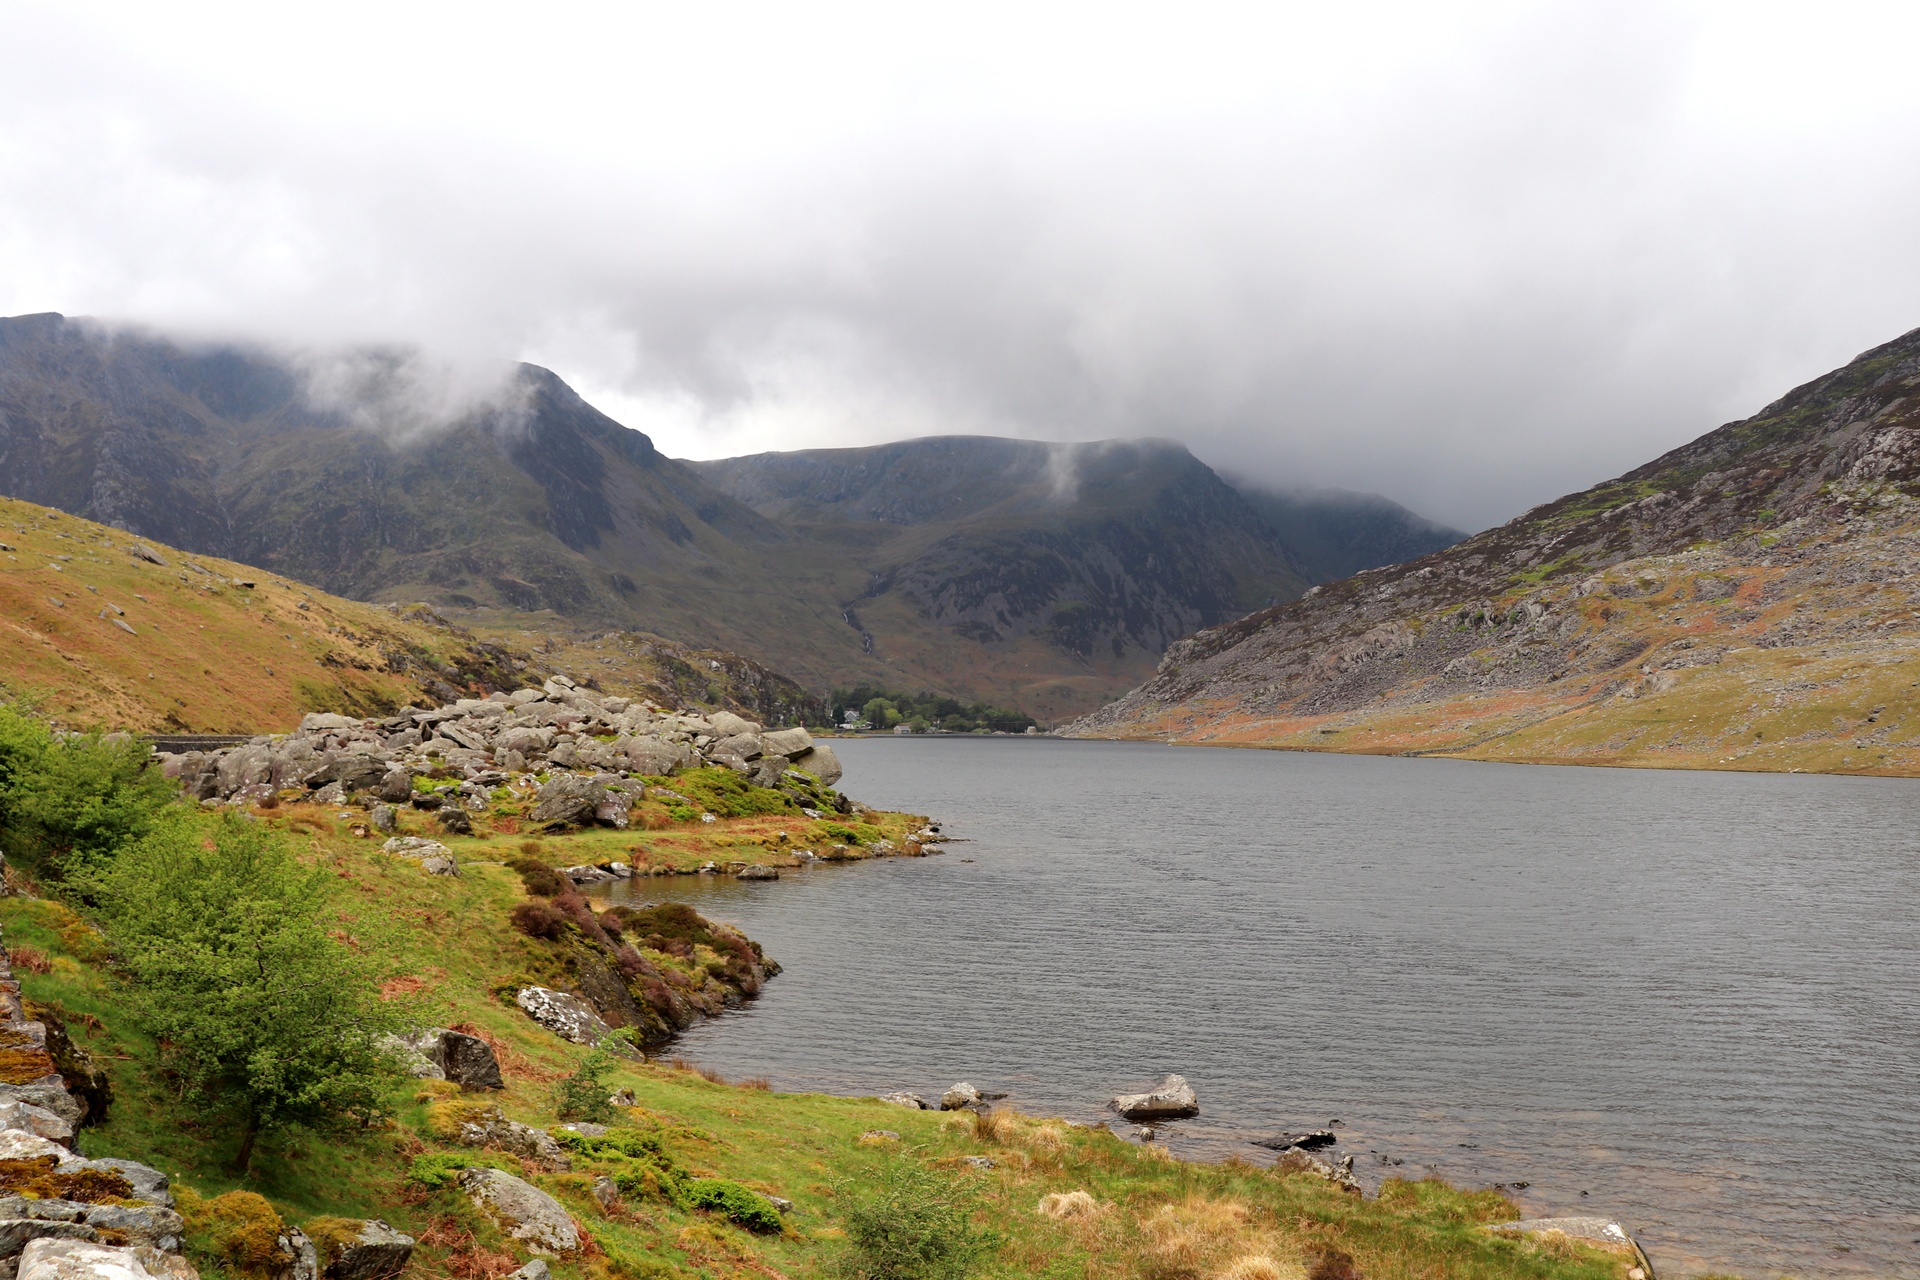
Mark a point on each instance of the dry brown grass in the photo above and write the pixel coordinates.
(1061, 1205)
(1261, 1266)
(30, 959)
(760, 1083)
(995, 1126)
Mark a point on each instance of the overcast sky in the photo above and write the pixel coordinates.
(1471, 256)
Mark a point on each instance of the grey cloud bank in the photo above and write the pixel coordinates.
(1472, 260)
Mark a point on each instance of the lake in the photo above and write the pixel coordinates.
(1690, 1001)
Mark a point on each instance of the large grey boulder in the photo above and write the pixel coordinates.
(522, 1210)
(567, 1016)
(654, 756)
(378, 1251)
(357, 772)
(744, 745)
(395, 786)
(568, 801)
(56, 1259)
(535, 1270)
(146, 1224)
(1172, 1099)
(820, 761)
(301, 1258)
(726, 724)
(960, 1096)
(149, 1184)
(440, 1054)
(787, 742)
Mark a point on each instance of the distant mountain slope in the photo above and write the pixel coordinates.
(1336, 533)
(1105, 551)
(1744, 601)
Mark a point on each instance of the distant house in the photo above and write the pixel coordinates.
(903, 728)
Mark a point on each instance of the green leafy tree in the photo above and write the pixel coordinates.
(68, 802)
(912, 1223)
(583, 1095)
(264, 1014)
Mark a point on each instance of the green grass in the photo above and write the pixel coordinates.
(694, 1142)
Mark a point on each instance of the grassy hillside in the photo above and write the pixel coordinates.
(98, 632)
(451, 946)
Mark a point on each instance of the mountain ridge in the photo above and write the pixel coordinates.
(1580, 630)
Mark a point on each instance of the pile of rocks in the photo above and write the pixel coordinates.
(590, 746)
(77, 1217)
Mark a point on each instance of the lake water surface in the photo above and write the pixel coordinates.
(1687, 1000)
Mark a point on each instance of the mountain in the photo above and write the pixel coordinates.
(1106, 552)
(1743, 601)
(100, 628)
(1047, 577)
(1336, 533)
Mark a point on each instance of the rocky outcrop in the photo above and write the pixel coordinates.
(60, 1214)
(440, 1054)
(567, 1016)
(1172, 1099)
(523, 1211)
(491, 1129)
(369, 1249)
(452, 759)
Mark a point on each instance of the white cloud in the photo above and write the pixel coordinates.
(1468, 255)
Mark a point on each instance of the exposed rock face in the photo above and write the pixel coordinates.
(1172, 1099)
(451, 760)
(1716, 570)
(523, 1211)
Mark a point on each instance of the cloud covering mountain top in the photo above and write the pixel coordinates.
(1471, 256)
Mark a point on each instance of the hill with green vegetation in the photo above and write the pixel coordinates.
(868, 707)
(295, 1105)
(100, 628)
(1744, 602)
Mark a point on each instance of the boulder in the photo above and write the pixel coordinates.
(375, 1252)
(1172, 1099)
(26, 1117)
(395, 787)
(960, 1096)
(524, 1212)
(745, 745)
(568, 1017)
(454, 821)
(535, 1270)
(758, 871)
(786, 742)
(911, 1100)
(17, 1233)
(384, 818)
(466, 1060)
(357, 772)
(72, 1259)
(149, 1184)
(411, 1059)
(326, 721)
(654, 756)
(22, 1219)
(568, 800)
(820, 761)
(491, 1129)
(726, 724)
(606, 1193)
(768, 771)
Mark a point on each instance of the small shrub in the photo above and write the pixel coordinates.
(911, 1223)
(438, 1169)
(1333, 1265)
(30, 959)
(994, 1125)
(538, 920)
(539, 878)
(747, 1208)
(584, 1094)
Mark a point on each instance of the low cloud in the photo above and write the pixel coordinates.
(1468, 256)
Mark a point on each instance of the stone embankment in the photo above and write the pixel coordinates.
(62, 1215)
(590, 747)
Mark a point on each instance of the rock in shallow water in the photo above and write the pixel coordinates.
(1172, 1099)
